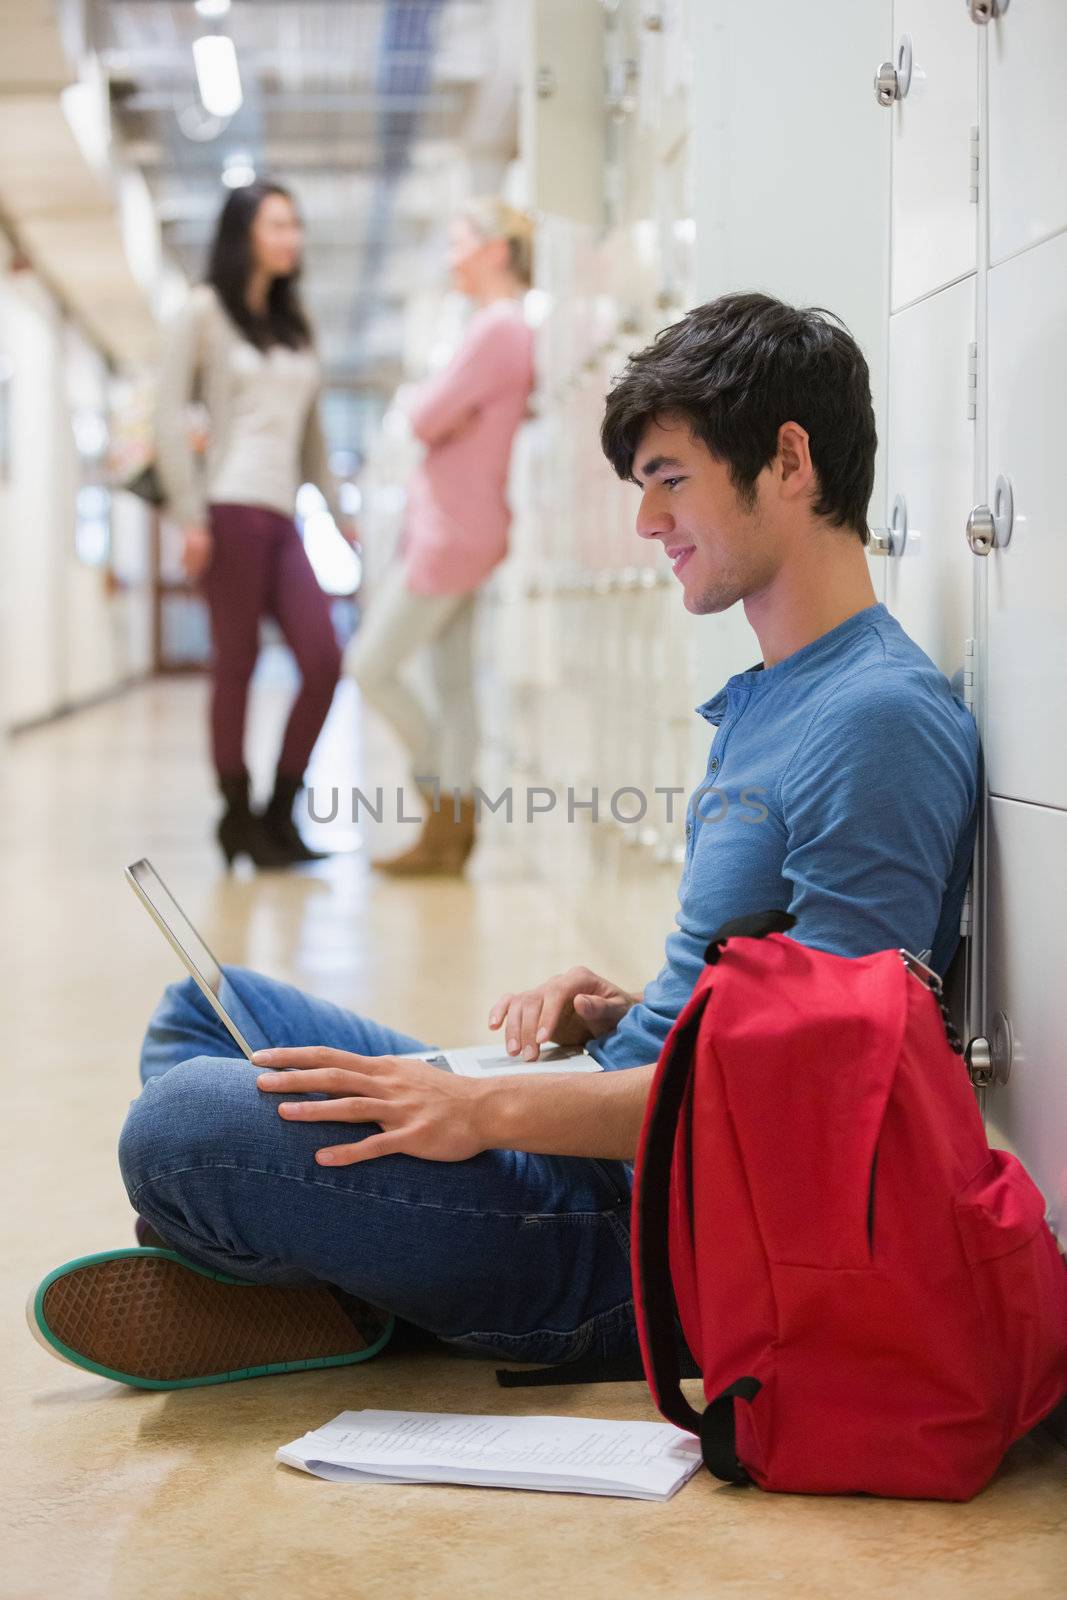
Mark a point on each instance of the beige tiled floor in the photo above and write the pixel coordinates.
(110, 1492)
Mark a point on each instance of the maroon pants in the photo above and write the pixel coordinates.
(259, 568)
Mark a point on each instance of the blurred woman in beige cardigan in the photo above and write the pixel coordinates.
(243, 347)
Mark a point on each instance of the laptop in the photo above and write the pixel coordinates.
(471, 1061)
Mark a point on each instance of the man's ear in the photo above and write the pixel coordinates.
(795, 473)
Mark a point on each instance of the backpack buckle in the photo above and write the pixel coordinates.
(925, 974)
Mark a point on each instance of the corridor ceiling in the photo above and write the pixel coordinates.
(379, 114)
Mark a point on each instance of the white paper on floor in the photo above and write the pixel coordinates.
(574, 1455)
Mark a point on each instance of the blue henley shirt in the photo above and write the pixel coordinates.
(841, 786)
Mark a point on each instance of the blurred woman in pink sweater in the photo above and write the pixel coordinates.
(455, 532)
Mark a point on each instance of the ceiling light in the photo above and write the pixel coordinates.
(198, 124)
(212, 8)
(217, 76)
(238, 172)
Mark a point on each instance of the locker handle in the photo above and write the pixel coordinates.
(891, 541)
(989, 1061)
(990, 527)
(545, 81)
(983, 11)
(893, 79)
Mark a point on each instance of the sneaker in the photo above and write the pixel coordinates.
(154, 1320)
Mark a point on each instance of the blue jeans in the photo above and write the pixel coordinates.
(521, 1257)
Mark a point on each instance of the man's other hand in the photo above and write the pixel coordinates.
(420, 1110)
(568, 1009)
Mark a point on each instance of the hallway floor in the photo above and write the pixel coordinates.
(110, 1492)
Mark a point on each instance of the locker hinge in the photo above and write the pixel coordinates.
(972, 382)
(965, 913)
(975, 157)
(970, 662)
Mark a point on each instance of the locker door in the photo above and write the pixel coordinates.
(39, 504)
(1025, 692)
(1027, 126)
(934, 230)
(1027, 957)
(562, 108)
(931, 471)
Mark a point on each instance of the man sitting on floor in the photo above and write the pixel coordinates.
(494, 1213)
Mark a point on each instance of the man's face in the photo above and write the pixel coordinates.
(721, 550)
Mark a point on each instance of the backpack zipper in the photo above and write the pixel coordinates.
(926, 975)
(930, 980)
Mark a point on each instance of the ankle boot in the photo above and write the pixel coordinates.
(279, 824)
(240, 831)
(443, 846)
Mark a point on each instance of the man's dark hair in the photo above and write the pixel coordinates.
(734, 370)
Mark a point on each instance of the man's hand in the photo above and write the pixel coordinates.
(569, 1009)
(421, 1110)
(428, 1113)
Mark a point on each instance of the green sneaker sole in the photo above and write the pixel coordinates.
(151, 1319)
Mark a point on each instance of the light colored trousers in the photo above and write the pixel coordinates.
(441, 740)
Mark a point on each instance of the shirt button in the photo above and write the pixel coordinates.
(714, 765)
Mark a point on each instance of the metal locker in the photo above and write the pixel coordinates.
(1027, 126)
(1021, 527)
(1026, 998)
(34, 646)
(790, 162)
(930, 88)
(930, 471)
(562, 108)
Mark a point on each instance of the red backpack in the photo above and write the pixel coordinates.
(870, 1292)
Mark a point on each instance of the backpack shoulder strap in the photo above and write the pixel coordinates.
(655, 1304)
(757, 925)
